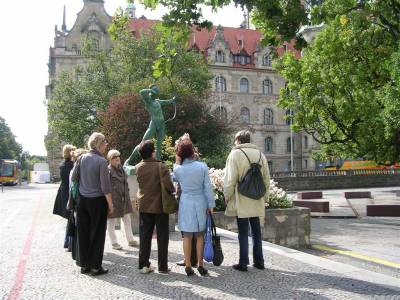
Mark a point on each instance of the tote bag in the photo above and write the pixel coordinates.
(208, 243)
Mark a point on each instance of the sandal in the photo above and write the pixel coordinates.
(202, 271)
(189, 271)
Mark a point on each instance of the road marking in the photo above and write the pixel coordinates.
(19, 278)
(357, 255)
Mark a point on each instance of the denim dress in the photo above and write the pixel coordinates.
(196, 197)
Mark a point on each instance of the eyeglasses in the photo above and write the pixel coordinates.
(117, 156)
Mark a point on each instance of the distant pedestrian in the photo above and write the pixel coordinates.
(149, 173)
(246, 210)
(121, 201)
(196, 201)
(95, 201)
(60, 204)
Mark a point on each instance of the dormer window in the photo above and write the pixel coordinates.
(220, 56)
(267, 60)
(242, 59)
(241, 43)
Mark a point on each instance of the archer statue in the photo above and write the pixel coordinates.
(157, 124)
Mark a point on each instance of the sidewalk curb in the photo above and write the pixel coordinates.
(323, 263)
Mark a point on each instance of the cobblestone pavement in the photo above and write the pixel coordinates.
(35, 266)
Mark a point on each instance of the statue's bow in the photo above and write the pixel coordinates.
(173, 117)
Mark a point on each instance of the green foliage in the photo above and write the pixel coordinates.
(81, 102)
(339, 89)
(9, 148)
(278, 202)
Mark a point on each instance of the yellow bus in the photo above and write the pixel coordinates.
(9, 172)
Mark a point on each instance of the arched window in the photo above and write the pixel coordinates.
(268, 116)
(267, 60)
(244, 85)
(289, 116)
(220, 84)
(219, 56)
(289, 145)
(244, 115)
(267, 87)
(221, 113)
(268, 144)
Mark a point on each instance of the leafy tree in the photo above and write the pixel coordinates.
(9, 148)
(339, 89)
(82, 103)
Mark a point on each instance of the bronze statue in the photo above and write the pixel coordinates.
(157, 123)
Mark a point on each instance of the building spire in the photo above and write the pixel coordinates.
(64, 26)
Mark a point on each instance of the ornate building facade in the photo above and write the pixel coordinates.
(245, 85)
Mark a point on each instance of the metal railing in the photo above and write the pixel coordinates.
(395, 172)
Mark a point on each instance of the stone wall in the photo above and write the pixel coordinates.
(337, 182)
(289, 227)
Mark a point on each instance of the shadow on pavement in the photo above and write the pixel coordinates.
(228, 283)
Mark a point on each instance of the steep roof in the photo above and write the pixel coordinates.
(202, 39)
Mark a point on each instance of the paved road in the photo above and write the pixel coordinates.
(34, 266)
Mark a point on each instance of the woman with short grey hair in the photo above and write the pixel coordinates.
(95, 201)
(121, 201)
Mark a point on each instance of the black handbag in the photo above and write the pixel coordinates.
(216, 242)
(71, 227)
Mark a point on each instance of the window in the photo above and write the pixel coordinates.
(244, 85)
(241, 59)
(270, 166)
(244, 115)
(289, 166)
(267, 87)
(268, 145)
(305, 142)
(289, 145)
(220, 84)
(268, 116)
(267, 60)
(220, 56)
(289, 117)
(221, 113)
(305, 164)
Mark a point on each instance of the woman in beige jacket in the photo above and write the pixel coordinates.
(246, 210)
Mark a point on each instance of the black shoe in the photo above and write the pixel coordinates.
(202, 271)
(240, 268)
(259, 266)
(85, 270)
(189, 271)
(97, 272)
(164, 271)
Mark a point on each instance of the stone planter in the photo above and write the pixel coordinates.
(133, 187)
(289, 227)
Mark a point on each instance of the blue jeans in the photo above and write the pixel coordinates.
(243, 229)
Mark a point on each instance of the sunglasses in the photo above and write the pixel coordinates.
(115, 156)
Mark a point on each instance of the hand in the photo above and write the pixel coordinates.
(210, 210)
(110, 210)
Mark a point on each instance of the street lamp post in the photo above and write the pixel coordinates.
(291, 139)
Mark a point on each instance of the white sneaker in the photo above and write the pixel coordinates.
(133, 243)
(147, 270)
(116, 246)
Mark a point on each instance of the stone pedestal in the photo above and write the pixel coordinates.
(133, 187)
(288, 227)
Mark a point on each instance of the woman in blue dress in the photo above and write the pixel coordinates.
(196, 201)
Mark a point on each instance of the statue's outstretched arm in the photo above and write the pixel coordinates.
(169, 101)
